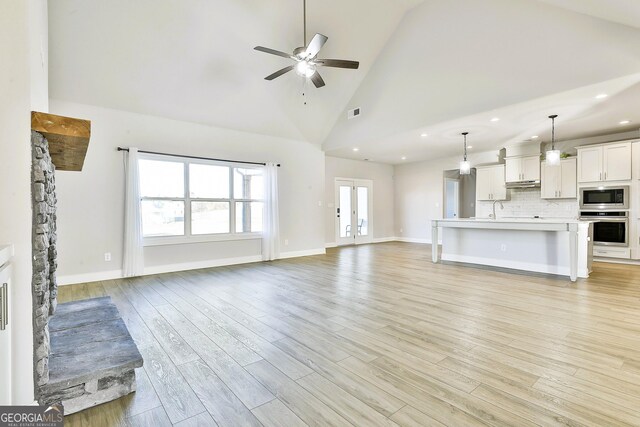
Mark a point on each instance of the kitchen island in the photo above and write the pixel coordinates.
(553, 246)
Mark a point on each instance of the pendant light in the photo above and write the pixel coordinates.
(465, 166)
(553, 155)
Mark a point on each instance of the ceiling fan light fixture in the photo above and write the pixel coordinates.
(305, 69)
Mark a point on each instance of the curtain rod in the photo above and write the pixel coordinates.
(196, 157)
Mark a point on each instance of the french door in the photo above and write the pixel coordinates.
(353, 211)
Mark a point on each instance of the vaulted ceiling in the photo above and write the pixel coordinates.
(435, 67)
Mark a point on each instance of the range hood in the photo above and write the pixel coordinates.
(523, 184)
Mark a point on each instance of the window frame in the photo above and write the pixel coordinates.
(188, 237)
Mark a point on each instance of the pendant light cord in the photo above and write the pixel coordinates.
(304, 20)
(553, 131)
(465, 145)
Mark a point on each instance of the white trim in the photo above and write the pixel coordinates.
(331, 245)
(204, 238)
(170, 268)
(72, 279)
(414, 240)
(616, 260)
(384, 239)
(308, 252)
(515, 265)
(6, 253)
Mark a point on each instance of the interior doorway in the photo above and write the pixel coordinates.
(459, 194)
(354, 206)
(451, 198)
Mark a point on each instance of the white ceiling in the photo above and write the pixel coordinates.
(193, 60)
(452, 66)
(442, 68)
(625, 12)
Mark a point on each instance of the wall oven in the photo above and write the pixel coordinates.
(610, 229)
(600, 198)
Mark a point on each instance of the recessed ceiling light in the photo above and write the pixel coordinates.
(404, 157)
(424, 135)
(495, 119)
(535, 137)
(356, 149)
(625, 122)
(601, 96)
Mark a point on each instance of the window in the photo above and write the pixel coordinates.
(192, 201)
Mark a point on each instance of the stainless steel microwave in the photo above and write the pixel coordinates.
(605, 198)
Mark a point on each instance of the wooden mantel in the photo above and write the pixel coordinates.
(68, 139)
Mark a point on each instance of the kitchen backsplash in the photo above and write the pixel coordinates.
(526, 202)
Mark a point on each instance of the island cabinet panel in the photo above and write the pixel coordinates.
(610, 162)
(559, 181)
(490, 183)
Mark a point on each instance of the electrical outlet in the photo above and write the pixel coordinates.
(107, 256)
(320, 203)
(401, 231)
(286, 242)
(503, 247)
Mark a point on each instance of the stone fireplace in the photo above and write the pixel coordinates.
(83, 352)
(45, 288)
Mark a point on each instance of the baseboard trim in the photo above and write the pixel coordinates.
(89, 277)
(170, 268)
(296, 254)
(414, 240)
(384, 239)
(331, 245)
(557, 270)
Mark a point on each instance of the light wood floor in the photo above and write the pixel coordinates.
(377, 335)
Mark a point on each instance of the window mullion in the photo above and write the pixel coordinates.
(232, 204)
(187, 201)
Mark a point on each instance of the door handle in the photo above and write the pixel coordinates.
(4, 306)
(605, 176)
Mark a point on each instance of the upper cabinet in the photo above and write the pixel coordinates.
(522, 168)
(559, 181)
(490, 183)
(609, 162)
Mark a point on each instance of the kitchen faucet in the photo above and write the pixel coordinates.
(494, 208)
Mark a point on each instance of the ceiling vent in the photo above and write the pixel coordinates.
(353, 113)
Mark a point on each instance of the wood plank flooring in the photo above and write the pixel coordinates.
(377, 335)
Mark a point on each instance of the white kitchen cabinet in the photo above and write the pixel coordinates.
(559, 181)
(522, 168)
(609, 162)
(490, 183)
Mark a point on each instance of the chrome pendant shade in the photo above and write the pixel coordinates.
(553, 156)
(465, 166)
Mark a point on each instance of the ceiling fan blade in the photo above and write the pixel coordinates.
(338, 63)
(315, 45)
(317, 79)
(273, 52)
(280, 72)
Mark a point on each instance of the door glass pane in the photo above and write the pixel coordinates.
(345, 211)
(209, 217)
(248, 183)
(363, 211)
(161, 179)
(208, 181)
(248, 217)
(162, 218)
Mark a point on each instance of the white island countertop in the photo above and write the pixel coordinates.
(501, 243)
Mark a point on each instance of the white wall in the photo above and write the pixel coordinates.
(383, 190)
(90, 203)
(23, 87)
(419, 189)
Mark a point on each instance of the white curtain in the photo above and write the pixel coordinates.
(270, 217)
(133, 263)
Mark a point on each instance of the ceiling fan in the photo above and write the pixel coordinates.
(306, 57)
